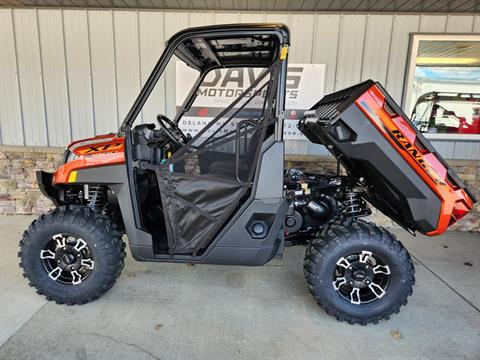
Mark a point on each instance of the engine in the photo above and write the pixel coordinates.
(318, 199)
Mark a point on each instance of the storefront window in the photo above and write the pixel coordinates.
(443, 91)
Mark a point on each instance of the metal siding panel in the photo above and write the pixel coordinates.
(151, 47)
(302, 32)
(173, 21)
(467, 150)
(127, 60)
(103, 71)
(350, 53)
(11, 130)
(377, 47)
(444, 148)
(279, 18)
(325, 47)
(459, 23)
(78, 71)
(29, 69)
(295, 147)
(251, 17)
(476, 25)
(433, 23)
(225, 18)
(200, 19)
(54, 77)
(403, 25)
(316, 149)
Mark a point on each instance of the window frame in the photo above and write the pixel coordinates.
(407, 105)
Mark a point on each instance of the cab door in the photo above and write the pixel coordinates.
(204, 183)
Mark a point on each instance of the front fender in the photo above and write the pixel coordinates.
(45, 184)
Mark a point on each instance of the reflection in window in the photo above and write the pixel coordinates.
(446, 87)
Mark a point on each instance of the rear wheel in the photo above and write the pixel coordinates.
(72, 255)
(358, 272)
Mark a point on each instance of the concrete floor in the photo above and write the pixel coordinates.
(172, 311)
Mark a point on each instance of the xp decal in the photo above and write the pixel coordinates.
(97, 151)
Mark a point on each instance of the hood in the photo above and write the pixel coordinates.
(101, 150)
(108, 143)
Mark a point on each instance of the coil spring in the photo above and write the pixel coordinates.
(97, 197)
(354, 205)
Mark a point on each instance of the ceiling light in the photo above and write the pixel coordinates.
(446, 61)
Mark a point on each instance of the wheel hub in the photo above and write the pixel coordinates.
(67, 259)
(361, 278)
(359, 274)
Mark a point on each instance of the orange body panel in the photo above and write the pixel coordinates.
(101, 150)
(399, 133)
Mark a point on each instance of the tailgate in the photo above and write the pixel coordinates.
(401, 173)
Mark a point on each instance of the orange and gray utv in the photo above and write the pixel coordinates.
(221, 196)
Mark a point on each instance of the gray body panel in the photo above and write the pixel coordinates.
(115, 176)
(233, 245)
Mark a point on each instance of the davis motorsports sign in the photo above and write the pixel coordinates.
(221, 87)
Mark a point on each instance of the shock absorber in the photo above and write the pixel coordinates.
(355, 206)
(97, 196)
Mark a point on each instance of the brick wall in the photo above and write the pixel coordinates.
(19, 193)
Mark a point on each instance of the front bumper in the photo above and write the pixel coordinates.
(44, 181)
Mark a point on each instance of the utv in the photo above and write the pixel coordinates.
(447, 112)
(219, 197)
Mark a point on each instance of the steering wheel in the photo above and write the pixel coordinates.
(172, 130)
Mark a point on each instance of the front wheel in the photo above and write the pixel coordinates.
(72, 255)
(358, 272)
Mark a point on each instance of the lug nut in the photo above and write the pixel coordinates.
(72, 267)
(64, 248)
(367, 267)
(367, 281)
(351, 282)
(78, 255)
(58, 261)
(350, 268)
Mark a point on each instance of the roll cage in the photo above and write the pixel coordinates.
(218, 47)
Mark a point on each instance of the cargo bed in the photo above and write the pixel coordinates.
(400, 172)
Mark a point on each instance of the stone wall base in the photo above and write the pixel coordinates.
(19, 193)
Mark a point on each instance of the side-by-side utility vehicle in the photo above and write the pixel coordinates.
(221, 196)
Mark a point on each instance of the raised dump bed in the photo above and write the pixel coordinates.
(401, 173)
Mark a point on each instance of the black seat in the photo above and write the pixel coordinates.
(225, 163)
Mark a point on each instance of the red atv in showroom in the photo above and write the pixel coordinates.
(220, 197)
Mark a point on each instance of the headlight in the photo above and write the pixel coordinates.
(69, 156)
